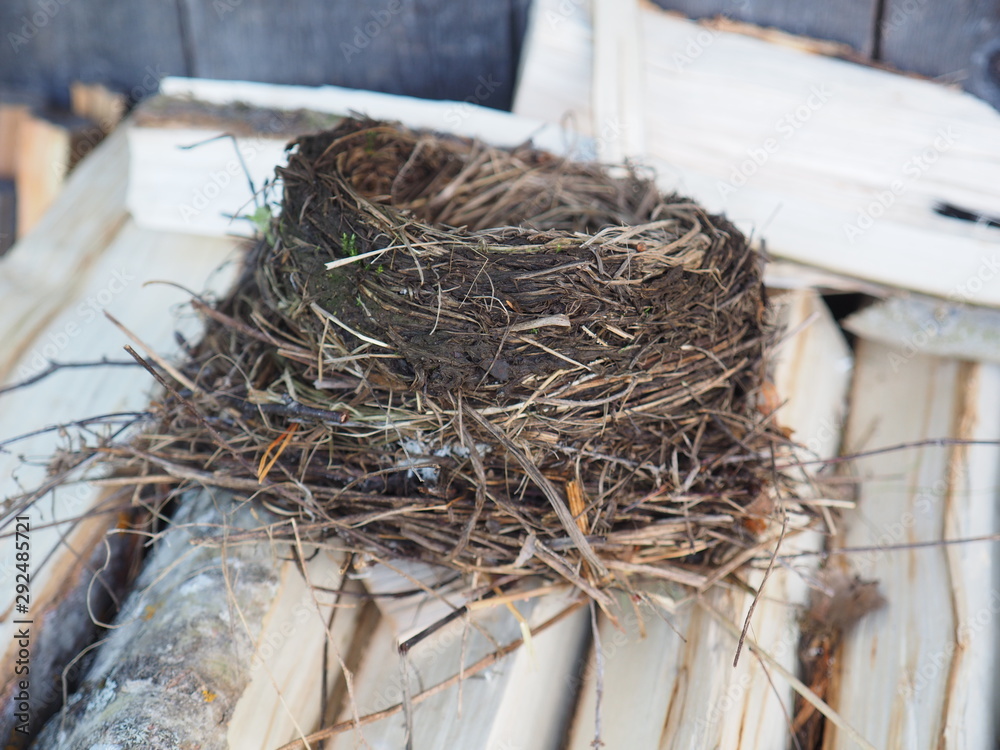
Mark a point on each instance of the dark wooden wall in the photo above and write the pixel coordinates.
(430, 48)
(954, 40)
(440, 49)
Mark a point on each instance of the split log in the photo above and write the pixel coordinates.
(49, 146)
(521, 702)
(15, 107)
(743, 126)
(920, 673)
(187, 642)
(83, 257)
(942, 328)
(97, 103)
(200, 190)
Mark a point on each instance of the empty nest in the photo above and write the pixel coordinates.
(517, 365)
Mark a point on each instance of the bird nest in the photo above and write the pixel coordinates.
(496, 360)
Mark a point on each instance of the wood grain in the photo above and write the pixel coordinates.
(919, 673)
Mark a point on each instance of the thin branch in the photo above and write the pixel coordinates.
(56, 366)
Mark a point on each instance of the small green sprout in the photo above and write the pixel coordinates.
(261, 218)
(349, 242)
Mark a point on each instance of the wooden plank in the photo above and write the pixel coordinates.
(88, 213)
(61, 283)
(743, 127)
(427, 49)
(847, 21)
(199, 190)
(915, 324)
(520, 701)
(74, 329)
(49, 146)
(526, 697)
(937, 40)
(919, 673)
(98, 104)
(283, 700)
(618, 79)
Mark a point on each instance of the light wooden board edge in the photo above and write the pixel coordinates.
(201, 189)
(921, 671)
(712, 98)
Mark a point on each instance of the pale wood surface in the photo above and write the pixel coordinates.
(199, 190)
(848, 21)
(914, 323)
(920, 673)
(840, 136)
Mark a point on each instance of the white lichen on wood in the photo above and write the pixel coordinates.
(179, 656)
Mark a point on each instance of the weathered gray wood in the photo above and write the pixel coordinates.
(92, 572)
(429, 48)
(433, 49)
(955, 42)
(849, 21)
(8, 214)
(48, 44)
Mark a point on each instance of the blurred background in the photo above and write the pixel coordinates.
(466, 51)
(437, 49)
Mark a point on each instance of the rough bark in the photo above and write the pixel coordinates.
(179, 656)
